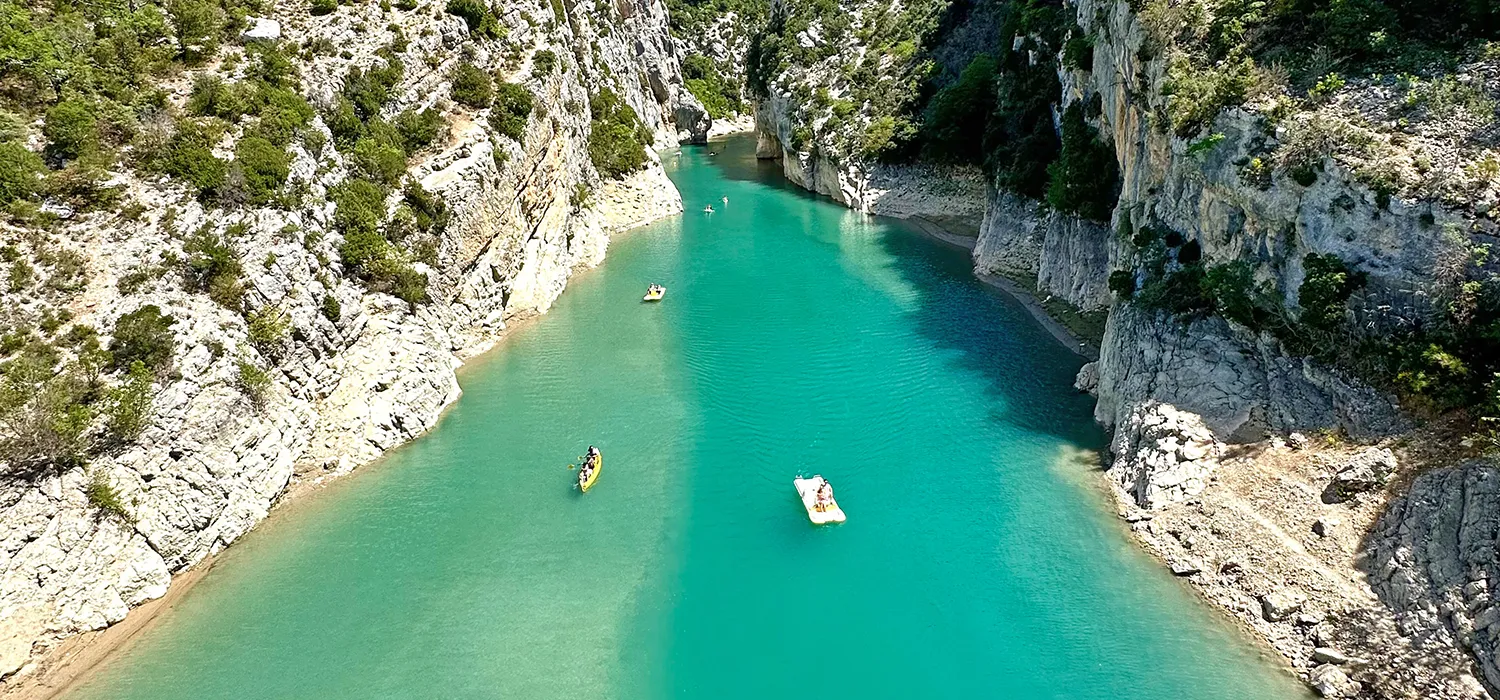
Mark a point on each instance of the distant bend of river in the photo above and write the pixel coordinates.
(796, 337)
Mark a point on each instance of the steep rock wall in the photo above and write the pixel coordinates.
(345, 386)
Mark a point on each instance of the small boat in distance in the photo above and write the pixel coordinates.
(654, 293)
(708, 209)
(817, 498)
(589, 472)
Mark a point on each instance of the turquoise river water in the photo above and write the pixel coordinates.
(979, 559)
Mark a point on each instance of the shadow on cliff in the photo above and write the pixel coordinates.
(991, 335)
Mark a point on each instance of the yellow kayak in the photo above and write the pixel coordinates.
(655, 294)
(587, 479)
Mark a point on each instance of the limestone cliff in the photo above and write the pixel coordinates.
(1261, 189)
(355, 371)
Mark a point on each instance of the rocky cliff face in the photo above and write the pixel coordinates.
(352, 379)
(1182, 396)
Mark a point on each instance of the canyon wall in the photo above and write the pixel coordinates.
(1211, 418)
(352, 377)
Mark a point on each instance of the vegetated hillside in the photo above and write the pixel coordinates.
(713, 37)
(245, 243)
(1398, 97)
(1287, 211)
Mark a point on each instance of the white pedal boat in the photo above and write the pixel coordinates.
(819, 515)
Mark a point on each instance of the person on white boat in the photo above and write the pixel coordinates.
(708, 209)
(825, 494)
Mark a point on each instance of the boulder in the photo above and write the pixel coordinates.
(1324, 527)
(1326, 655)
(1282, 604)
(1088, 378)
(1362, 472)
(691, 118)
(1332, 682)
(261, 29)
(1163, 455)
(1186, 567)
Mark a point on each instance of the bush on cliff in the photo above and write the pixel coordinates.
(419, 129)
(617, 138)
(71, 128)
(719, 96)
(263, 167)
(472, 86)
(213, 266)
(144, 335)
(1084, 180)
(20, 173)
(959, 112)
(478, 16)
(511, 111)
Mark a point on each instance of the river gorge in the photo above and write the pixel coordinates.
(981, 556)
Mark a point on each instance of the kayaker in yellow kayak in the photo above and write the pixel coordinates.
(589, 472)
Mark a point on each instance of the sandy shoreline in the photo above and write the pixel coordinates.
(70, 663)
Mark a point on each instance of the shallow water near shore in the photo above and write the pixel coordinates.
(796, 337)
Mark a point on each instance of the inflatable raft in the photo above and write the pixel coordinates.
(818, 514)
(584, 482)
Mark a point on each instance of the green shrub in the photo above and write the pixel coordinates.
(359, 207)
(1084, 179)
(419, 129)
(71, 128)
(102, 496)
(1122, 283)
(332, 310)
(198, 24)
(343, 123)
(144, 335)
(1196, 95)
(1327, 86)
(128, 409)
(189, 156)
(478, 16)
(369, 90)
(21, 276)
(282, 113)
(254, 382)
(20, 173)
(1205, 144)
(379, 160)
(322, 7)
(617, 138)
(264, 167)
(1327, 284)
(511, 111)
(429, 210)
(213, 266)
(1362, 27)
(721, 97)
(409, 285)
(267, 328)
(212, 97)
(472, 86)
(1078, 52)
(543, 62)
(960, 111)
(365, 253)
(1020, 140)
